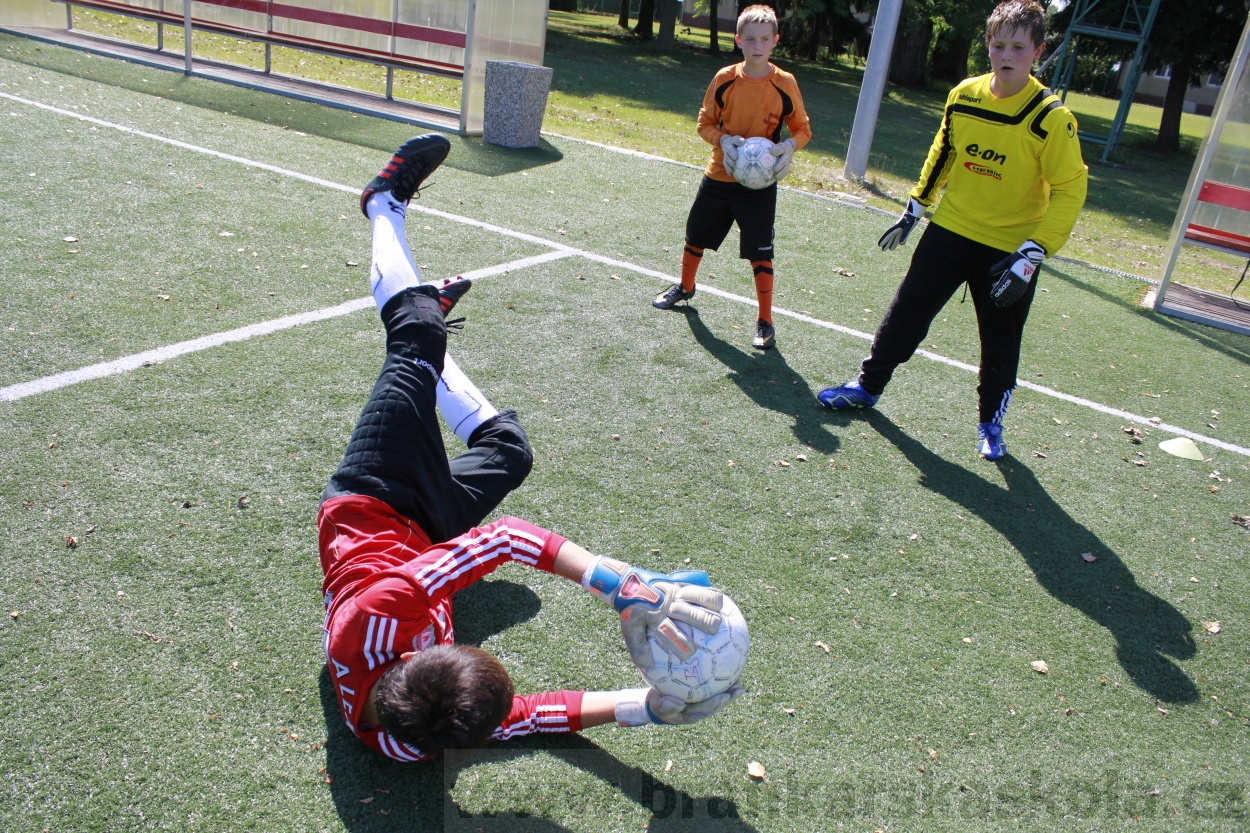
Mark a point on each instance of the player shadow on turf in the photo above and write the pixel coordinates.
(671, 808)
(1147, 629)
(768, 381)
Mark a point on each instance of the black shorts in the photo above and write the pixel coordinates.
(396, 453)
(718, 205)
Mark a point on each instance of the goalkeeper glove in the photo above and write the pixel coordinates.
(1012, 274)
(647, 600)
(729, 146)
(896, 235)
(784, 151)
(639, 706)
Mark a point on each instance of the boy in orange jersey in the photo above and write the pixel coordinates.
(753, 98)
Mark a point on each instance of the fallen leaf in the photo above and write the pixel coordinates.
(933, 753)
(1160, 709)
(1040, 666)
(785, 464)
(756, 770)
(1211, 627)
(967, 640)
(668, 767)
(823, 645)
(1153, 793)
(14, 614)
(1241, 520)
(225, 234)
(1089, 557)
(616, 436)
(71, 542)
(368, 800)
(351, 263)
(243, 502)
(802, 458)
(788, 711)
(1039, 454)
(70, 238)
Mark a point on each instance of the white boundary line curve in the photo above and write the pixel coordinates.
(559, 251)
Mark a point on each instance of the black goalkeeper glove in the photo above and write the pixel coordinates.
(896, 235)
(1013, 273)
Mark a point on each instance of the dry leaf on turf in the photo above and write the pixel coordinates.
(1040, 666)
(1211, 627)
(1039, 454)
(668, 767)
(1089, 557)
(1241, 520)
(823, 645)
(71, 542)
(756, 770)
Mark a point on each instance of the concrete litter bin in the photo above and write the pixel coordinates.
(516, 97)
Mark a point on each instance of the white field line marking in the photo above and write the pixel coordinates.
(562, 250)
(161, 354)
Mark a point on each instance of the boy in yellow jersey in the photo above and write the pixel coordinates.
(1008, 154)
(753, 98)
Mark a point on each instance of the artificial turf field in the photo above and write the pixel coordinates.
(166, 672)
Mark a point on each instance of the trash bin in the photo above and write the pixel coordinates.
(516, 97)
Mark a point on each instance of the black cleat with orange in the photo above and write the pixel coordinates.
(415, 160)
(451, 291)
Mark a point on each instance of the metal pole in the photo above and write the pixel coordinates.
(186, 32)
(69, 17)
(876, 72)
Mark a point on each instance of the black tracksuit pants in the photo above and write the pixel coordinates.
(943, 261)
(396, 452)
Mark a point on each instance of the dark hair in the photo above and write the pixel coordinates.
(1015, 15)
(445, 697)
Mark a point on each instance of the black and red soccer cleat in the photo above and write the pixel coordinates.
(451, 291)
(415, 160)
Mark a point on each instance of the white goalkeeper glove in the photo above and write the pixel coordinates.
(648, 600)
(640, 706)
(896, 235)
(784, 151)
(1012, 274)
(729, 146)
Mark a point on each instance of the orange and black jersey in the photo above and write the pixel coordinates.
(737, 105)
(1011, 167)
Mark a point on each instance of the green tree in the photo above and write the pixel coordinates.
(1195, 40)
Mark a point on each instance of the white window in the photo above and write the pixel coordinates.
(1216, 79)
(1166, 72)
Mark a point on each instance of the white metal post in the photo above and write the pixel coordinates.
(186, 32)
(876, 73)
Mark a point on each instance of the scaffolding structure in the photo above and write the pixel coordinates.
(1134, 29)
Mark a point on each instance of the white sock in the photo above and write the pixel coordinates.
(393, 269)
(462, 405)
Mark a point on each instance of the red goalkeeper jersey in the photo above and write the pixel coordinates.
(388, 591)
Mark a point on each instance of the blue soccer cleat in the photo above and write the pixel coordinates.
(847, 395)
(991, 445)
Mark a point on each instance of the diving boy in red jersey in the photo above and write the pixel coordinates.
(399, 536)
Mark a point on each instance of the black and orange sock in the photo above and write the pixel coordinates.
(764, 288)
(691, 257)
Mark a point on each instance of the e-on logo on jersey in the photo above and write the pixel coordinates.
(989, 155)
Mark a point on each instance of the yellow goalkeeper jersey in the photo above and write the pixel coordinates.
(1011, 167)
(737, 105)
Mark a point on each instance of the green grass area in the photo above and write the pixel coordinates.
(166, 672)
(609, 87)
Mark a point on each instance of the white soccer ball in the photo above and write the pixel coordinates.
(755, 163)
(716, 665)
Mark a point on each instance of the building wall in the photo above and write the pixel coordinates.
(1152, 88)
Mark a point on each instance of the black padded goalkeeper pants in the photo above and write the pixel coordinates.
(396, 453)
(942, 262)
